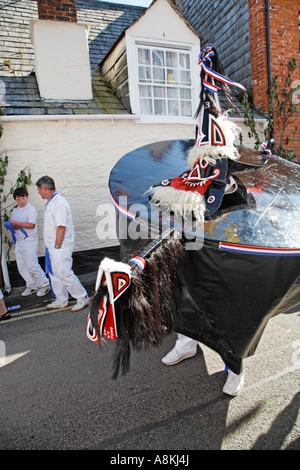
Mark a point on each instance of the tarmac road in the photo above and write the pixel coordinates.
(57, 392)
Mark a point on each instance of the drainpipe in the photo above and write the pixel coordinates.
(269, 60)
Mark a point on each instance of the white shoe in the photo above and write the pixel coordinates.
(56, 305)
(234, 383)
(43, 291)
(80, 304)
(28, 291)
(178, 355)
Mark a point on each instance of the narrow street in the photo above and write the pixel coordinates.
(57, 392)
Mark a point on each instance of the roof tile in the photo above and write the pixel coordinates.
(107, 22)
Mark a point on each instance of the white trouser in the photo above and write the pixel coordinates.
(185, 342)
(63, 280)
(28, 263)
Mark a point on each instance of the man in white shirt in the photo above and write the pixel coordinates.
(59, 241)
(24, 224)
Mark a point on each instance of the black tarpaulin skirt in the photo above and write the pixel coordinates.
(226, 298)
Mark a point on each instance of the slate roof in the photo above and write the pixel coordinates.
(107, 22)
(234, 106)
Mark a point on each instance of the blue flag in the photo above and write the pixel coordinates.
(9, 226)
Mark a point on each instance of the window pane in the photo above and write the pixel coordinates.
(158, 75)
(173, 108)
(186, 108)
(145, 74)
(185, 93)
(144, 56)
(158, 58)
(160, 107)
(184, 61)
(171, 59)
(172, 93)
(145, 91)
(185, 78)
(146, 106)
(159, 91)
(172, 76)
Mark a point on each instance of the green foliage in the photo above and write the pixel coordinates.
(1, 127)
(285, 107)
(6, 191)
(247, 103)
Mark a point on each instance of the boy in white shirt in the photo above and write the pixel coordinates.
(24, 222)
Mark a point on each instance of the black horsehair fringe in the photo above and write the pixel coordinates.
(144, 311)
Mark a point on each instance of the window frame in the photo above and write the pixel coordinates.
(132, 45)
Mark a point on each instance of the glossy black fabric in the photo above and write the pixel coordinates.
(224, 299)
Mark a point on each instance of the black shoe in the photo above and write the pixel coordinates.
(5, 316)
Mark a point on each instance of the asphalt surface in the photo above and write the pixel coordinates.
(85, 266)
(57, 393)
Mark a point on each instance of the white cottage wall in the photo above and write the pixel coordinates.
(162, 22)
(79, 154)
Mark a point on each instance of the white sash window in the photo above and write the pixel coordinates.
(164, 77)
(163, 80)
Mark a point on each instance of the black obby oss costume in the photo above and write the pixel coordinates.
(223, 293)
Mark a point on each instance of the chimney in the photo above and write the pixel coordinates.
(62, 65)
(57, 10)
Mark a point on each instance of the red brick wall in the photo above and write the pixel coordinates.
(57, 10)
(284, 42)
